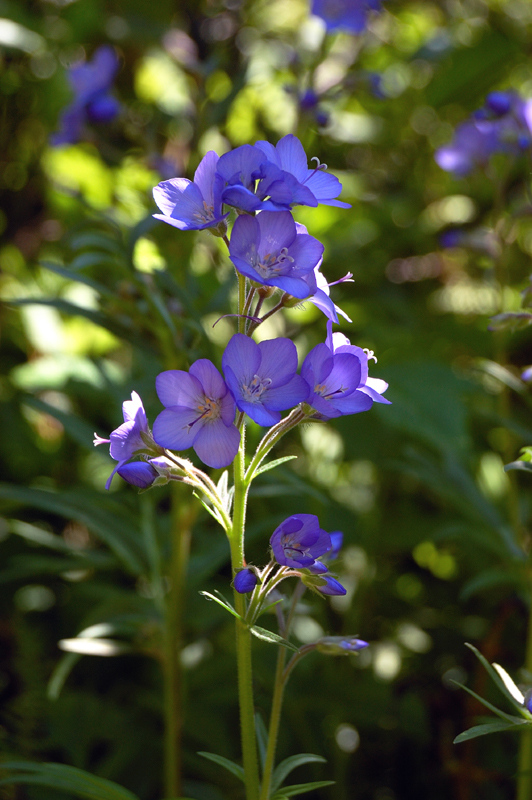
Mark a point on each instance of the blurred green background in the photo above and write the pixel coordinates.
(98, 298)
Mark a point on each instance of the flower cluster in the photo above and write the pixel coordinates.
(271, 251)
(502, 125)
(93, 102)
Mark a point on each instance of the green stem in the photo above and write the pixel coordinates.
(183, 516)
(524, 772)
(243, 635)
(275, 719)
(277, 699)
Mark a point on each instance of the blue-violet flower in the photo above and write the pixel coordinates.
(269, 249)
(127, 439)
(337, 374)
(199, 413)
(262, 377)
(193, 205)
(299, 541)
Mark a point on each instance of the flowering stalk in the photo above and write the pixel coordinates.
(183, 516)
(277, 698)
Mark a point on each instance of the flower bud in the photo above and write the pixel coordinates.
(340, 645)
(245, 581)
(289, 301)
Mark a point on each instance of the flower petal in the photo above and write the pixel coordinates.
(277, 230)
(206, 373)
(243, 357)
(293, 157)
(204, 176)
(175, 387)
(174, 428)
(217, 444)
(288, 396)
(278, 360)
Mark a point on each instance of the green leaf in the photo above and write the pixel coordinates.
(272, 465)
(272, 638)
(92, 259)
(487, 580)
(236, 769)
(286, 767)
(223, 603)
(79, 430)
(524, 465)
(490, 727)
(95, 240)
(118, 533)
(108, 322)
(212, 511)
(501, 714)
(72, 276)
(66, 779)
(496, 678)
(60, 674)
(300, 788)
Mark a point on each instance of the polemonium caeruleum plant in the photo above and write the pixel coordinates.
(495, 139)
(207, 411)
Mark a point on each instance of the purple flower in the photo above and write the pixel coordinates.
(292, 176)
(340, 645)
(269, 250)
(526, 375)
(262, 377)
(332, 586)
(337, 539)
(299, 540)
(199, 413)
(91, 82)
(138, 473)
(344, 15)
(503, 125)
(127, 440)
(240, 169)
(337, 374)
(192, 205)
(245, 581)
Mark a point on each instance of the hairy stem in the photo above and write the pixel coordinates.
(243, 635)
(183, 516)
(277, 699)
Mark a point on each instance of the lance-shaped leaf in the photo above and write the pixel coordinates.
(65, 779)
(236, 769)
(497, 678)
(285, 767)
(272, 464)
(300, 788)
(490, 727)
(273, 638)
(223, 603)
